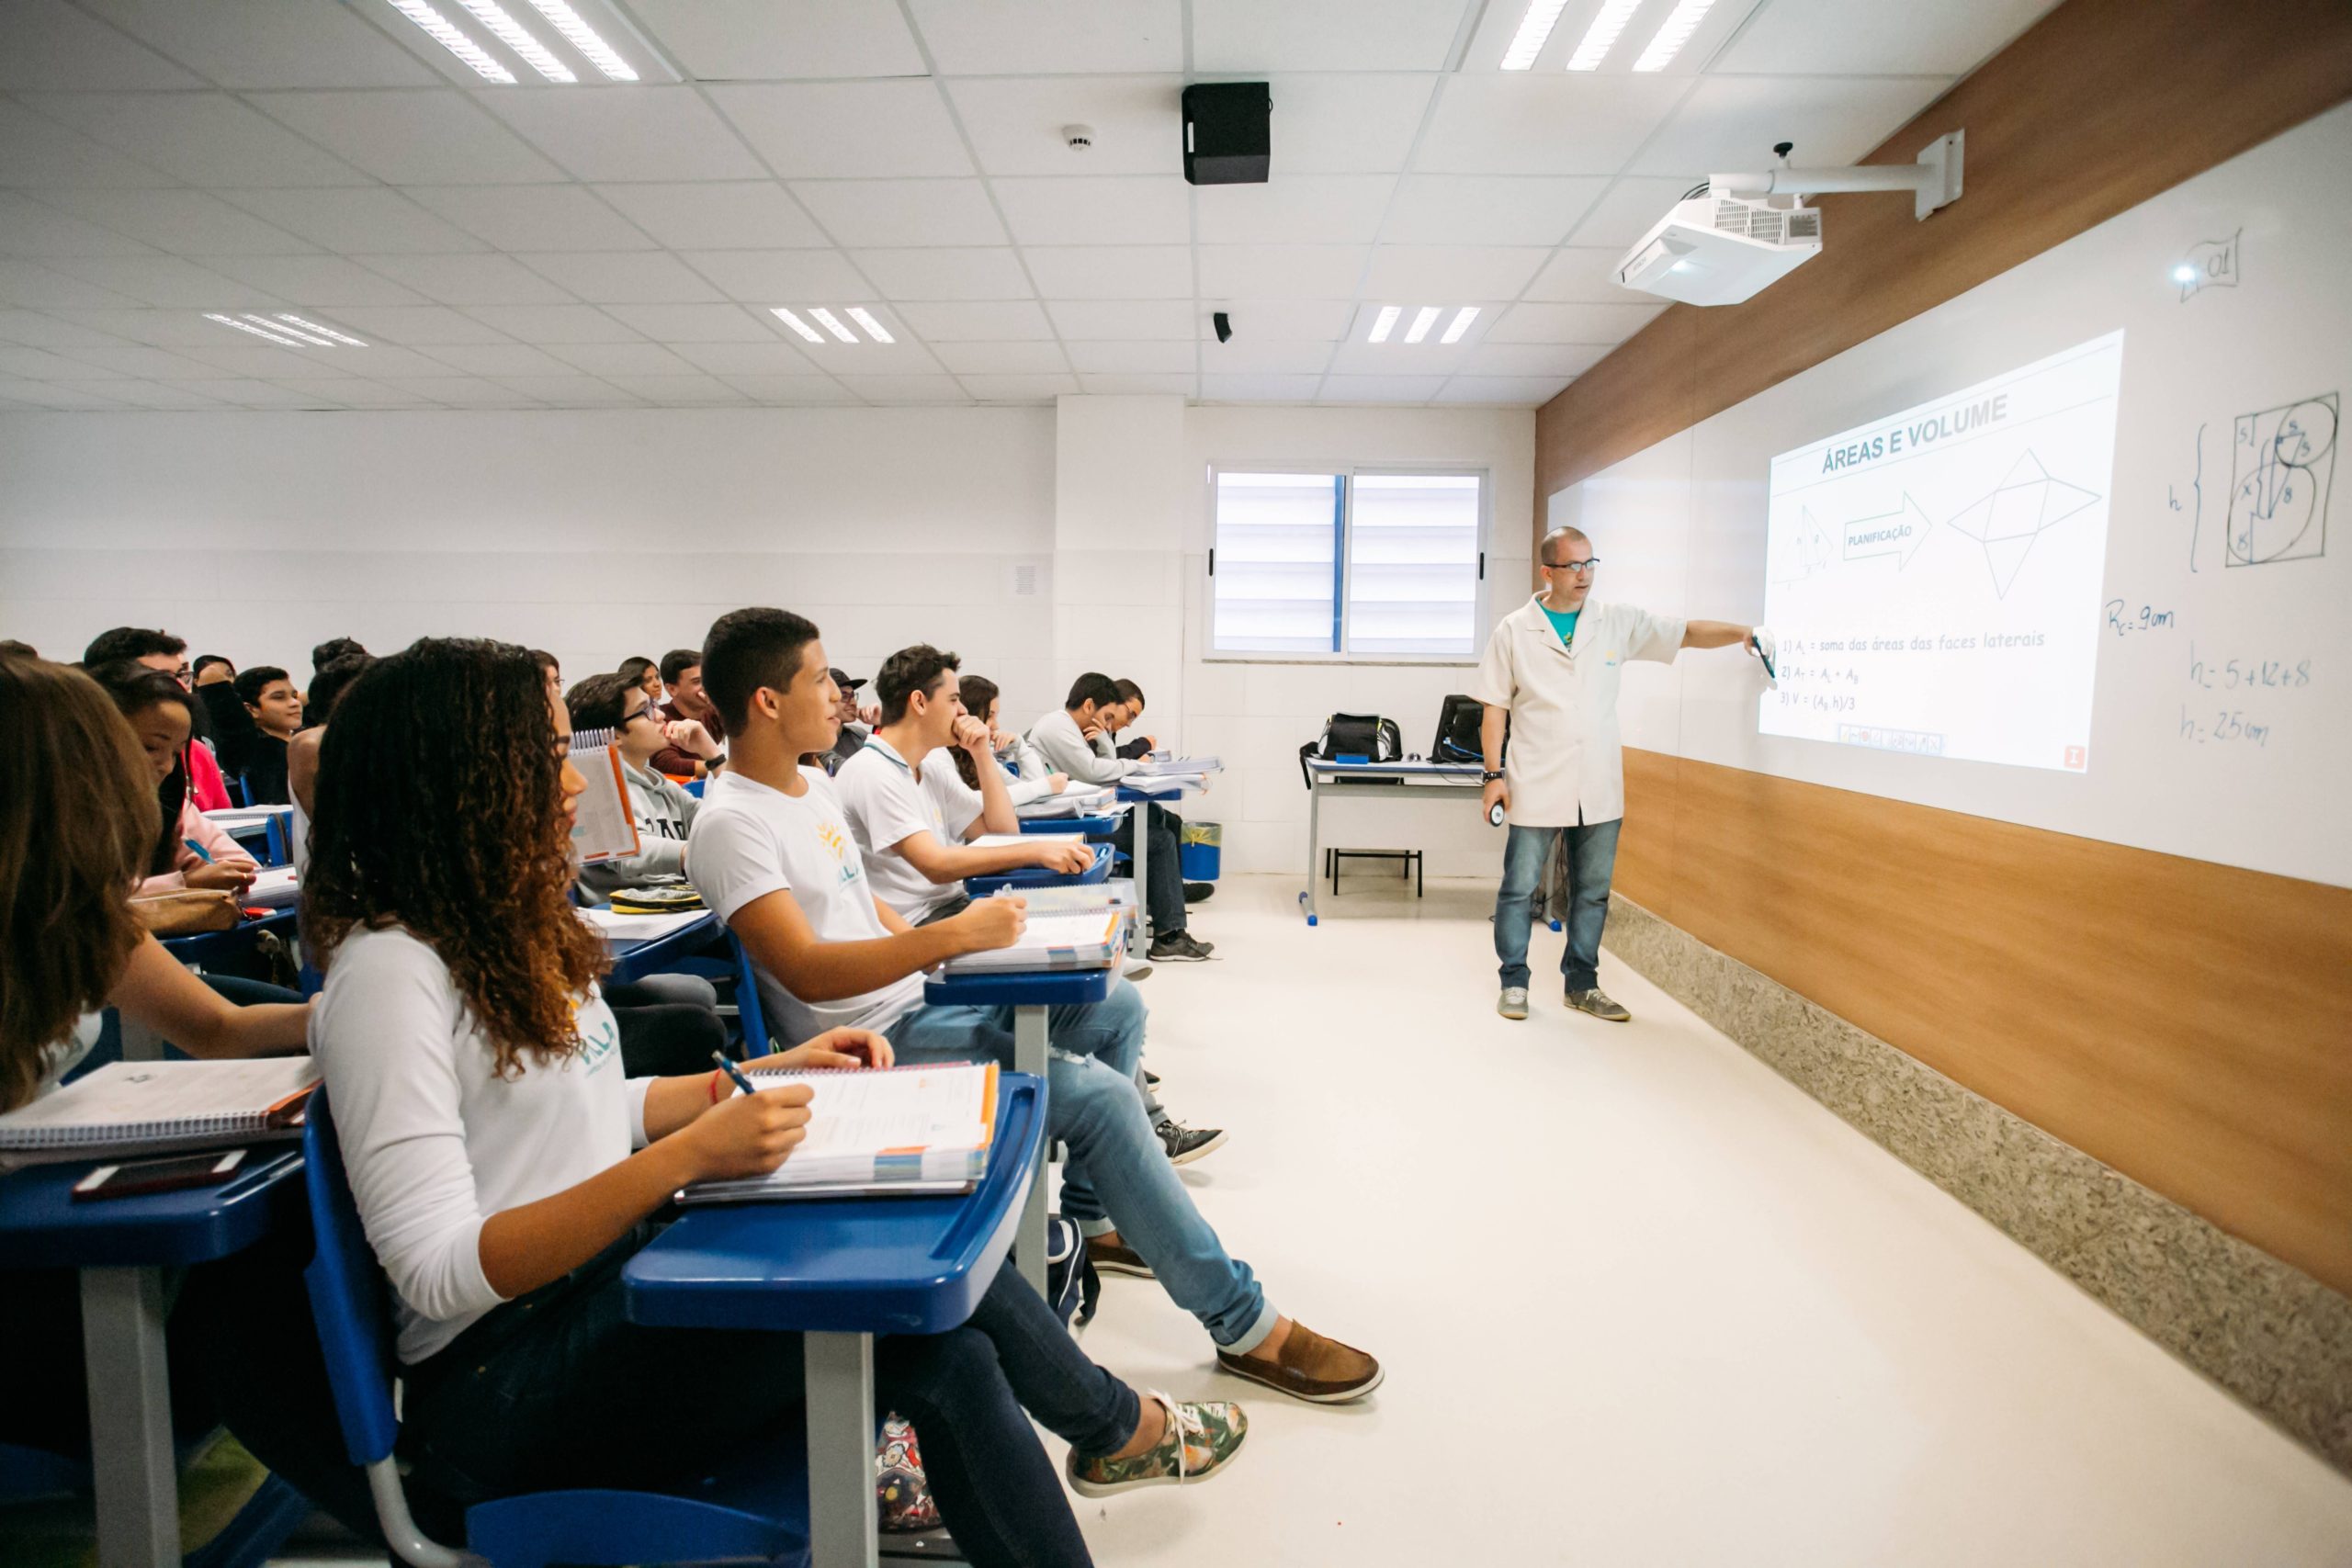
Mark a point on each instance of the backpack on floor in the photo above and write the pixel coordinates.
(1457, 731)
(1073, 1288)
(1368, 736)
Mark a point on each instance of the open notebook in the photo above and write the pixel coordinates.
(1187, 767)
(134, 1107)
(899, 1130)
(1095, 939)
(1078, 800)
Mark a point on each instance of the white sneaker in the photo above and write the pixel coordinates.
(1512, 1003)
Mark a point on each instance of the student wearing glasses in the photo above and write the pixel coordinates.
(663, 811)
(1553, 668)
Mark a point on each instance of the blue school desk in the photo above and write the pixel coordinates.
(1038, 876)
(840, 1273)
(211, 947)
(120, 1247)
(634, 957)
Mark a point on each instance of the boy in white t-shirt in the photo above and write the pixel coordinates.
(775, 855)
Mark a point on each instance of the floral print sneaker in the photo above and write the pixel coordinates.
(900, 1489)
(1201, 1439)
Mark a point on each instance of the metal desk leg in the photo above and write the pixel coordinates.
(1139, 821)
(1029, 1055)
(842, 1532)
(130, 1418)
(1314, 834)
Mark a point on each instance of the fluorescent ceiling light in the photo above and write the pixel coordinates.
(583, 37)
(1534, 30)
(1599, 38)
(311, 326)
(1460, 324)
(864, 318)
(456, 42)
(1382, 322)
(797, 325)
(831, 323)
(509, 31)
(1673, 33)
(295, 333)
(282, 340)
(1422, 322)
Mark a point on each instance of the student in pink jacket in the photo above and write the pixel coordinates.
(190, 850)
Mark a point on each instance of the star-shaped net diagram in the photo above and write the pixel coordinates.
(2007, 522)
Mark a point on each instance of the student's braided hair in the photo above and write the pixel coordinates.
(440, 810)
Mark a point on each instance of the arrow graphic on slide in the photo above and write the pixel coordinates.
(1896, 533)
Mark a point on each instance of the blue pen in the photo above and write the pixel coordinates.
(732, 1071)
(199, 850)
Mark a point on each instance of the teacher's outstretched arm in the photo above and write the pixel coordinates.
(1714, 634)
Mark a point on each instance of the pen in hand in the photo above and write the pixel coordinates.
(732, 1071)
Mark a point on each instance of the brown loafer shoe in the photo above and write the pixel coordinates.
(1116, 1258)
(1319, 1371)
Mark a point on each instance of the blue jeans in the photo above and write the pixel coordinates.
(1118, 1176)
(1592, 855)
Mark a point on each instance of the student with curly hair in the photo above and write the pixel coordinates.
(473, 1073)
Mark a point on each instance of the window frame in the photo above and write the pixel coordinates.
(1348, 473)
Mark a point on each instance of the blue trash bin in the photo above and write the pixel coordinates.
(1202, 848)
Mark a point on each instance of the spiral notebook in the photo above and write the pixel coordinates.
(879, 1132)
(132, 1108)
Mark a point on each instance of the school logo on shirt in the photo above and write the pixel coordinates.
(838, 846)
(599, 1040)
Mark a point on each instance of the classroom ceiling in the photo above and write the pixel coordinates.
(325, 166)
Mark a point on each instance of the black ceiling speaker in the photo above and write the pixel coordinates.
(1227, 139)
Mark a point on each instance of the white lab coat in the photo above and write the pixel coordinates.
(1567, 763)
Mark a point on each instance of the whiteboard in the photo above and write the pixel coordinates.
(2221, 723)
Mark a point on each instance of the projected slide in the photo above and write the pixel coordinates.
(1935, 576)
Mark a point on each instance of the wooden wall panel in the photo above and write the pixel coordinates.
(1645, 844)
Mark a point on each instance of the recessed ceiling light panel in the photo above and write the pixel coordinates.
(1460, 324)
(311, 326)
(445, 33)
(1672, 34)
(1535, 30)
(511, 33)
(1384, 323)
(586, 39)
(1423, 320)
(832, 324)
(1601, 36)
(864, 318)
(283, 340)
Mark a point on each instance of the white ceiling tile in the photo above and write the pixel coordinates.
(768, 40)
(623, 277)
(247, 392)
(29, 229)
(620, 358)
(731, 215)
(1297, 210)
(1543, 122)
(48, 44)
(1282, 272)
(1015, 123)
(1380, 389)
(477, 278)
(696, 323)
(418, 326)
(746, 358)
(903, 213)
(37, 287)
(382, 359)
(1427, 358)
(356, 219)
(1357, 123)
(1488, 209)
(1128, 386)
(501, 360)
(1626, 212)
(979, 321)
(1258, 389)
(269, 43)
(1533, 358)
(1463, 274)
(37, 331)
(1731, 123)
(903, 357)
(1150, 355)
(55, 394)
(1586, 273)
(780, 277)
(461, 391)
(1112, 272)
(184, 222)
(790, 390)
(1086, 319)
(687, 391)
(931, 389)
(1235, 37)
(533, 218)
(1609, 323)
(40, 365)
(1132, 210)
(205, 139)
(1277, 320)
(1265, 356)
(1869, 37)
(249, 356)
(423, 138)
(358, 393)
(168, 280)
(157, 394)
(36, 152)
(316, 281)
(1001, 38)
(163, 329)
(627, 133)
(999, 358)
(846, 130)
(546, 324)
(946, 273)
(1512, 391)
(1019, 389)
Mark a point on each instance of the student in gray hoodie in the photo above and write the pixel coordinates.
(662, 809)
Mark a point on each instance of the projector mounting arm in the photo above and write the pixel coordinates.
(1934, 180)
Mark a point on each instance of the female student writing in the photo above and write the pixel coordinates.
(474, 1077)
(190, 851)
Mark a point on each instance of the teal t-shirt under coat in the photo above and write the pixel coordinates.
(1562, 622)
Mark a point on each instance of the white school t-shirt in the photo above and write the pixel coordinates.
(887, 804)
(749, 840)
(435, 1142)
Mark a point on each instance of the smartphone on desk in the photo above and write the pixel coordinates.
(136, 1179)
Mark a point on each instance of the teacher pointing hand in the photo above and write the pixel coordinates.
(1551, 667)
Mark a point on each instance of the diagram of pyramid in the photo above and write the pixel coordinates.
(2008, 520)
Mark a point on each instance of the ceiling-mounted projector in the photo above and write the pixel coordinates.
(1729, 239)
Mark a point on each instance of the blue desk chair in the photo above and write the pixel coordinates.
(758, 1509)
(276, 848)
(748, 1010)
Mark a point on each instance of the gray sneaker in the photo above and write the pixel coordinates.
(1596, 1002)
(1512, 1003)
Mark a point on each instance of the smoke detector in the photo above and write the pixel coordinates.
(1079, 138)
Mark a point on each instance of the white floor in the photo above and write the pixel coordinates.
(1640, 1299)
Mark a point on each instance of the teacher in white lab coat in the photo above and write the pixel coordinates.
(1553, 666)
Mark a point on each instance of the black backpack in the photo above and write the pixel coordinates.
(1457, 731)
(1361, 735)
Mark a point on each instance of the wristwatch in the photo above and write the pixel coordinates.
(1491, 775)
